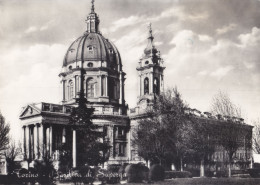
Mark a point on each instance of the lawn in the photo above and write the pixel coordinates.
(207, 181)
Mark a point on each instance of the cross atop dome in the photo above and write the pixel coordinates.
(150, 32)
(93, 6)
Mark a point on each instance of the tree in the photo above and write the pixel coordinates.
(90, 147)
(232, 138)
(4, 131)
(231, 132)
(10, 154)
(202, 144)
(256, 136)
(162, 135)
(222, 105)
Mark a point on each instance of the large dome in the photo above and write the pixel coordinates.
(92, 47)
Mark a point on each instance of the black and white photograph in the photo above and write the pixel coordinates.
(130, 92)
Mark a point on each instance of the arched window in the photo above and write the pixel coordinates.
(146, 86)
(90, 88)
(71, 90)
(103, 86)
(156, 86)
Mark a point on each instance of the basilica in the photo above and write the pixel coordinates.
(46, 125)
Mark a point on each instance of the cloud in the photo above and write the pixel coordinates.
(221, 72)
(226, 29)
(250, 39)
(203, 73)
(131, 48)
(33, 77)
(200, 65)
(44, 27)
(123, 22)
(31, 29)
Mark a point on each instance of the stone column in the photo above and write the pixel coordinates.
(111, 138)
(128, 139)
(24, 142)
(79, 83)
(27, 141)
(151, 83)
(30, 142)
(35, 141)
(63, 135)
(161, 83)
(74, 148)
(100, 85)
(74, 86)
(38, 140)
(47, 141)
(121, 83)
(50, 140)
(139, 86)
(63, 93)
(42, 141)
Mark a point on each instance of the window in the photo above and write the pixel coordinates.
(71, 90)
(90, 64)
(90, 87)
(156, 86)
(146, 86)
(91, 49)
(120, 149)
(121, 131)
(103, 85)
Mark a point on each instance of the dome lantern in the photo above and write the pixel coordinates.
(92, 20)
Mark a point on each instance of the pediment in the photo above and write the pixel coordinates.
(29, 111)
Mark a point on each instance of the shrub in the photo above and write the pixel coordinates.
(156, 173)
(177, 174)
(255, 173)
(136, 172)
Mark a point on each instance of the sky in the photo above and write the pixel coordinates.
(207, 46)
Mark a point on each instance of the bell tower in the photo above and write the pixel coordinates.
(150, 71)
